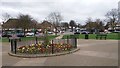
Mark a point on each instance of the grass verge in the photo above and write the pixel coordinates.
(114, 36)
(5, 39)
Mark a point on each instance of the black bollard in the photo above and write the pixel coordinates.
(12, 45)
(75, 42)
(52, 47)
(9, 40)
(15, 42)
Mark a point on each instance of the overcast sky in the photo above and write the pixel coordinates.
(78, 10)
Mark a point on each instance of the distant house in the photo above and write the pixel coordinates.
(14, 23)
(45, 25)
(11, 23)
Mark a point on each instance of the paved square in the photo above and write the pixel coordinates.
(92, 53)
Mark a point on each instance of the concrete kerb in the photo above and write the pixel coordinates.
(43, 55)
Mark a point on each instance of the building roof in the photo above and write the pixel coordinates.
(44, 25)
(14, 23)
(11, 23)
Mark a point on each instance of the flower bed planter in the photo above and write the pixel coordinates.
(43, 55)
(44, 49)
(40, 50)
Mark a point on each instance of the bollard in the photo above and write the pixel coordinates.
(12, 45)
(52, 47)
(75, 42)
(9, 40)
(15, 42)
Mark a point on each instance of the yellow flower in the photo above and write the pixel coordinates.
(65, 48)
(33, 44)
(23, 48)
(38, 48)
(39, 44)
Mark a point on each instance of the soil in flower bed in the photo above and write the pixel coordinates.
(44, 49)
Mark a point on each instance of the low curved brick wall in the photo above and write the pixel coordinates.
(42, 55)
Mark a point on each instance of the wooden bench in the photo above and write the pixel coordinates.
(101, 36)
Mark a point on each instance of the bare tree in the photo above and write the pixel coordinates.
(55, 18)
(5, 16)
(112, 17)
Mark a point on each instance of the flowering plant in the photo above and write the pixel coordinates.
(40, 48)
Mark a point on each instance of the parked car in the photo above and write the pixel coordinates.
(84, 32)
(77, 32)
(20, 34)
(30, 34)
(49, 32)
(117, 31)
(6, 34)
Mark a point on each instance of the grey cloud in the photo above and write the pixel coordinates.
(78, 10)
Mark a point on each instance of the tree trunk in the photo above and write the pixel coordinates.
(55, 30)
(72, 28)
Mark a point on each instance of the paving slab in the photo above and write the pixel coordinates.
(91, 53)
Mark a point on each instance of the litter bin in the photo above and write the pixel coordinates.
(86, 36)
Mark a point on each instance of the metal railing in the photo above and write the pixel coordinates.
(37, 46)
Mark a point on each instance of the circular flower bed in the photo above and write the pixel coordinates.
(42, 49)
